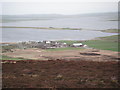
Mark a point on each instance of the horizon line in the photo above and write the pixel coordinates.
(62, 14)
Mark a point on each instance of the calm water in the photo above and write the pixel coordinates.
(27, 34)
(96, 23)
(14, 35)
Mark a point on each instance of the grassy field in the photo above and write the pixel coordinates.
(10, 58)
(103, 43)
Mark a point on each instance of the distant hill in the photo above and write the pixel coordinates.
(11, 18)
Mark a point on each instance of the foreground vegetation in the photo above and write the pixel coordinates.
(60, 74)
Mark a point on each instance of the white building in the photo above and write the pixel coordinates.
(47, 42)
(77, 44)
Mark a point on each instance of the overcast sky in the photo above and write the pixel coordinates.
(57, 7)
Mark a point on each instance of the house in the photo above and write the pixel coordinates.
(77, 45)
(48, 42)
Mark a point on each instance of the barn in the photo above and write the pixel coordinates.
(77, 44)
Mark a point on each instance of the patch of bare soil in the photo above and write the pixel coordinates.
(40, 54)
(60, 74)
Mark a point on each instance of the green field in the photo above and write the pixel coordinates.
(10, 58)
(103, 43)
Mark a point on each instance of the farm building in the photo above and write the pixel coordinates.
(77, 44)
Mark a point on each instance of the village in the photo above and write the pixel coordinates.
(43, 45)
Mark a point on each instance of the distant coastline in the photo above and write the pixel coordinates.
(49, 28)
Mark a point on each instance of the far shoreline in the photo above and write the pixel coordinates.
(48, 28)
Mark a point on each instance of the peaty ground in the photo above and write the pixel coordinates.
(60, 74)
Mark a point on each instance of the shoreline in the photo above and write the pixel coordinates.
(114, 30)
(96, 38)
(48, 28)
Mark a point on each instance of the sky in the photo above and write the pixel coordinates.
(66, 7)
